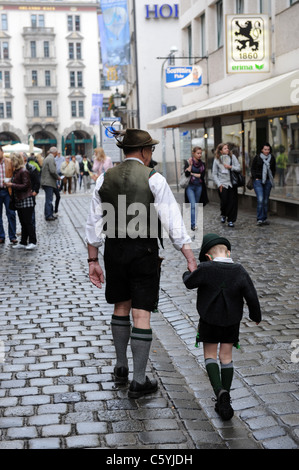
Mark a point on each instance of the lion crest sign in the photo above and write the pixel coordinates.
(247, 43)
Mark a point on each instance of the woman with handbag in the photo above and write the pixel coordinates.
(224, 163)
(195, 192)
(24, 201)
(263, 172)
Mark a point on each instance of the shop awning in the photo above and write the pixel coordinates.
(275, 92)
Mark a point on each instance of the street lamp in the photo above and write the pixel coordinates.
(170, 57)
(117, 99)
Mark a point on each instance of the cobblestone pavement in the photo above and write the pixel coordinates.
(56, 386)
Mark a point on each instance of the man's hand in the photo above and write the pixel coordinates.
(96, 274)
(189, 255)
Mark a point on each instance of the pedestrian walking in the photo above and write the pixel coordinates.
(224, 163)
(263, 171)
(221, 287)
(68, 170)
(24, 201)
(85, 170)
(101, 162)
(76, 174)
(59, 159)
(195, 192)
(49, 180)
(6, 171)
(131, 256)
(34, 179)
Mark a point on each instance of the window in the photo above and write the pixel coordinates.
(77, 108)
(47, 78)
(239, 7)
(79, 79)
(293, 1)
(41, 21)
(7, 79)
(5, 50)
(189, 32)
(46, 49)
(77, 23)
(219, 7)
(8, 109)
(73, 108)
(71, 51)
(70, 23)
(72, 80)
(73, 21)
(81, 108)
(73, 77)
(33, 21)
(33, 49)
(266, 7)
(49, 108)
(34, 77)
(203, 49)
(78, 50)
(5, 107)
(35, 108)
(4, 25)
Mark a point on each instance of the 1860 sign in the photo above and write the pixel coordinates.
(161, 11)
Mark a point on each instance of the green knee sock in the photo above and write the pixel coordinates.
(227, 373)
(121, 330)
(141, 341)
(214, 374)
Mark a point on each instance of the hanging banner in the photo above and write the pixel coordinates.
(96, 106)
(183, 76)
(115, 32)
(247, 43)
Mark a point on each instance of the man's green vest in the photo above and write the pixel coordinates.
(128, 202)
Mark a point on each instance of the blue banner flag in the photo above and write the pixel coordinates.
(96, 106)
(115, 32)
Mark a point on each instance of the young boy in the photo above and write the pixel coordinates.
(222, 286)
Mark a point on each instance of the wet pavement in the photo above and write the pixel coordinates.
(56, 384)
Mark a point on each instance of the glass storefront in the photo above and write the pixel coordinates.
(283, 135)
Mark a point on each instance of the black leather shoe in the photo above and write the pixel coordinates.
(50, 219)
(121, 374)
(137, 390)
(223, 406)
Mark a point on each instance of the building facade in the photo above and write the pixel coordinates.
(49, 69)
(248, 52)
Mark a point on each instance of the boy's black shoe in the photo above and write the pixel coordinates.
(137, 390)
(223, 406)
(121, 374)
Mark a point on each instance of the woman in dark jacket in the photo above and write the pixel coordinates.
(24, 201)
(263, 172)
(196, 191)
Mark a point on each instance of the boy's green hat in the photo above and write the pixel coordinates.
(209, 240)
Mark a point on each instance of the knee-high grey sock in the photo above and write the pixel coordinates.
(121, 329)
(141, 341)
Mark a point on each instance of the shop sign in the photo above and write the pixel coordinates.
(183, 76)
(247, 43)
(161, 11)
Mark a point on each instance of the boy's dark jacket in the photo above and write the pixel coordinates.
(221, 290)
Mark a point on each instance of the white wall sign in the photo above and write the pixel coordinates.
(247, 43)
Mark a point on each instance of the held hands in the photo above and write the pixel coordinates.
(96, 274)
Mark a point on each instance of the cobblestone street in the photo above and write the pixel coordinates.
(56, 385)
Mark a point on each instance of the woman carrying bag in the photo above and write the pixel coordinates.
(196, 191)
(224, 163)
